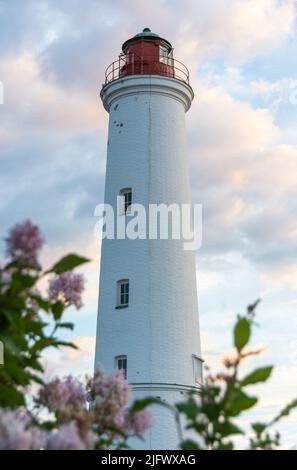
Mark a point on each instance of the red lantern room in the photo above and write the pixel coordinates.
(146, 53)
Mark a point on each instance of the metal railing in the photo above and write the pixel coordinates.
(131, 64)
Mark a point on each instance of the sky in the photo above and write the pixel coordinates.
(242, 149)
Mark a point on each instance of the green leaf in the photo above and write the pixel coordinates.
(10, 346)
(189, 445)
(239, 402)
(258, 375)
(10, 396)
(18, 374)
(252, 307)
(57, 309)
(24, 280)
(139, 405)
(227, 428)
(259, 427)
(57, 344)
(242, 332)
(11, 314)
(36, 378)
(43, 304)
(67, 325)
(36, 327)
(48, 425)
(286, 411)
(34, 364)
(67, 263)
(42, 344)
(189, 408)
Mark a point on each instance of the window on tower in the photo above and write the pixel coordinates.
(198, 369)
(163, 54)
(121, 364)
(123, 293)
(126, 194)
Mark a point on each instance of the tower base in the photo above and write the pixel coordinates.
(166, 433)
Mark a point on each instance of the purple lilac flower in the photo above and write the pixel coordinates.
(110, 396)
(24, 243)
(66, 437)
(16, 433)
(141, 422)
(62, 392)
(111, 391)
(67, 287)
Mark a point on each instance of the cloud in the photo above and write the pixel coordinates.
(32, 102)
(245, 179)
(78, 362)
(236, 30)
(24, 25)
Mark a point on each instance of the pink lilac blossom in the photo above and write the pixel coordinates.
(62, 392)
(24, 243)
(66, 437)
(111, 390)
(110, 396)
(120, 422)
(16, 433)
(141, 422)
(67, 287)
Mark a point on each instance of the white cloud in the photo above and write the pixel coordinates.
(33, 102)
(78, 362)
(236, 30)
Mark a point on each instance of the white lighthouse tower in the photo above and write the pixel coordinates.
(148, 314)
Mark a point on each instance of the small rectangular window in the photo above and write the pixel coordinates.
(198, 369)
(163, 54)
(123, 293)
(126, 194)
(121, 364)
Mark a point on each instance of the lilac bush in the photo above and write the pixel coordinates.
(60, 393)
(73, 425)
(16, 432)
(106, 423)
(81, 416)
(26, 315)
(67, 437)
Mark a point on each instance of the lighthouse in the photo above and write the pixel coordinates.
(148, 313)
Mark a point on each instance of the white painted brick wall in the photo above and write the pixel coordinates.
(159, 331)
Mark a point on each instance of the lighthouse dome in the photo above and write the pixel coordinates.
(145, 34)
